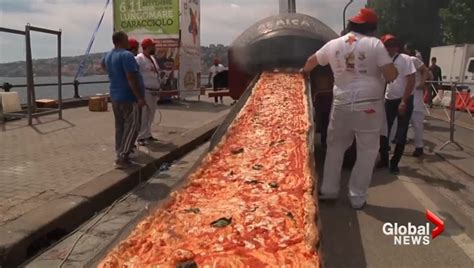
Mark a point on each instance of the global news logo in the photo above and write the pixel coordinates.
(416, 235)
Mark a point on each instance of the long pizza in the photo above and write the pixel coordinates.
(249, 204)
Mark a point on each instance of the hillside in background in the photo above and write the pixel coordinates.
(48, 67)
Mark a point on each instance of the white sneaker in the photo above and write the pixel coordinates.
(359, 206)
(357, 202)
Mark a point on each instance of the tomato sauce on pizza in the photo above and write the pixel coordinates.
(249, 203)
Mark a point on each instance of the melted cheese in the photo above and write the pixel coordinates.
(267, 226)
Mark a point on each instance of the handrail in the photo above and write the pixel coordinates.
(55, 84)
(7, 86)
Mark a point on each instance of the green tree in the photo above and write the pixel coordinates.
(415, 21)
(458, 22)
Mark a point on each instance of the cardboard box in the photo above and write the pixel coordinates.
(98, 104)
(46, 103)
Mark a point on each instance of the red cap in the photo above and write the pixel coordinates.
(147, 42)
(133, 43)
(387, 38)
(365, 15)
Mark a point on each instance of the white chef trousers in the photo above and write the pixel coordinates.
(417, 119)
(365, 123)
(148, 114)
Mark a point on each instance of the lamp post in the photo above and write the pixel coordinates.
(344, 14)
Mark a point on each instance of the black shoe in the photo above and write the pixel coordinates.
(418, 152)
(142, 142)
(394, 169)
(381, 164)
(123, 163)
(152, 139)
(329, 197)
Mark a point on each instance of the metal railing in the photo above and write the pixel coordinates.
(76, 83)
(33, 111)
(7, 86)
(456, 88)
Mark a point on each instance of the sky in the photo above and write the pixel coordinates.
(221, 22)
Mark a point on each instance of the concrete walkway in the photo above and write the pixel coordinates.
(443, 185)
(55, 156)
(58, 173)
(92, 241)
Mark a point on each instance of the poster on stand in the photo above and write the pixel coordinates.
(167, 57)
(156, 19)
(190, 50)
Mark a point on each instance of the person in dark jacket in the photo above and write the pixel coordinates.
(437, 76)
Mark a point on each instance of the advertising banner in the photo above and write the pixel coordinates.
(167, 57)
(190, 50)
(147, 18)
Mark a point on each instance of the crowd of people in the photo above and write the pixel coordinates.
(376, 82)
(134, 85)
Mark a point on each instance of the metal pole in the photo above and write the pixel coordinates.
(29, 74)
(344, 14)
(451, 121)
(76, 89)
(60, 90)
(292, 6)
(2, 116)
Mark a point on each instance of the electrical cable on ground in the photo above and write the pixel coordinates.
(105, 213)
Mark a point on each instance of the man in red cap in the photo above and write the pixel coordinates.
(149, 70)
(359, 63)
(133, 46)
(398, 103)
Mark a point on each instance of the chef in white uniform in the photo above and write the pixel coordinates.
(150, 71)
(418, 116)
(359, 63)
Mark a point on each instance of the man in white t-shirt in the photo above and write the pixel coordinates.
(150, 71)
(215, 69)
(359, 63)
(418, 116)
(398, 104)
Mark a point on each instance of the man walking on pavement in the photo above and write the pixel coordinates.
(214, 70)
(398, 104)
(150, 73)
(217, 84)
(359, 63)
(437, 76)
(126, 92)
(418, 116)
